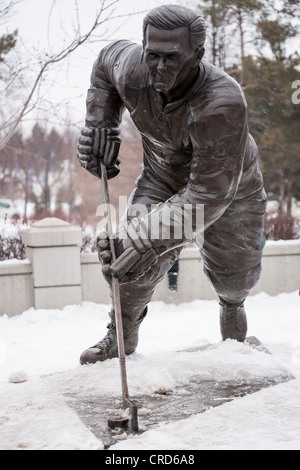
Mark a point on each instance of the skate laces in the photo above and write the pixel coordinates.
(110, 327)
(109, 339)
(230, 312)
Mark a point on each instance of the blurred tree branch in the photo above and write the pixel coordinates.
(105, 13)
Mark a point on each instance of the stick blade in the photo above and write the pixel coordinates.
(133, 410)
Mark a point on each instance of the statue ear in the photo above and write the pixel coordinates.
(200, 51)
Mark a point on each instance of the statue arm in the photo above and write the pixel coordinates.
(104, 106)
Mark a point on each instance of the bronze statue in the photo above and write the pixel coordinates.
(192, 118)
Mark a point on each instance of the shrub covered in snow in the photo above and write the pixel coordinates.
(11, 245)
(89, 240)
(281, 226)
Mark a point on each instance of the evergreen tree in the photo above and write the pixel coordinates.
(266, 77)
(230, 19)
(274, 118)
(7, 42)
(216, 14)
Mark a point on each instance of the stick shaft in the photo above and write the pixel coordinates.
(115, 286)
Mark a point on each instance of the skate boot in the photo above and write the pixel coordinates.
(107, 348)
(233, 321)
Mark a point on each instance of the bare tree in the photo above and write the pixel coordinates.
(6, 9)
(17, 70)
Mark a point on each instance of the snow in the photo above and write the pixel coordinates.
(9, 262)
(18, 377)
(283, 242)
(39, 353)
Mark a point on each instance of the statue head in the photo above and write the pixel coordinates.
(170, 17)
(173, 41)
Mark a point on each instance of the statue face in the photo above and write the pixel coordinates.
(170, 59)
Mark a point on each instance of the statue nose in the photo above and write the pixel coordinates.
(161, 65)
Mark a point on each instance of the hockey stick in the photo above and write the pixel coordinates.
(127, 403)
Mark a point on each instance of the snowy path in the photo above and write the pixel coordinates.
(33, 415)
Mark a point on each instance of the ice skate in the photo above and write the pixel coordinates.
(107, 348)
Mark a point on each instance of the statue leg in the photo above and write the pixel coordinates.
(134, 295)
(231, 254)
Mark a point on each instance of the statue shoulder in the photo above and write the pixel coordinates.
(122, 61)
(218, 94)
(116, 48)
(226, 91)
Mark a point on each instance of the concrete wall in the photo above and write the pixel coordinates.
(94, 287)
(16, 287)
(56, 274)
(280, 273)
(281, 268)
(53, 248)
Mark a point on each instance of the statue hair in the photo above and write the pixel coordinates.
(170, 17)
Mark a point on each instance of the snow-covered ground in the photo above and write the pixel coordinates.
(41, 348)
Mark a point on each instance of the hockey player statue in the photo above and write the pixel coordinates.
(198, 152)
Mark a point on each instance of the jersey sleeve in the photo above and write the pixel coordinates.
(104, 106)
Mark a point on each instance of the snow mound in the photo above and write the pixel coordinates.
(154, 373)
(18, 377)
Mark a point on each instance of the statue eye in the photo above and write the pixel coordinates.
(152, 56)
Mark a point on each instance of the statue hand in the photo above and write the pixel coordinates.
(132, 263)
(104, 254)
(138, 253)
(97, 145)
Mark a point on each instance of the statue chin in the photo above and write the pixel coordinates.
(161, 87)
(162, 84)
